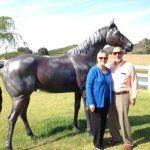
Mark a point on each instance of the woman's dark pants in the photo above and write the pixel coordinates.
(98, 120)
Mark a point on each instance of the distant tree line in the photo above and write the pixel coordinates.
(41, 51)
(143, 47)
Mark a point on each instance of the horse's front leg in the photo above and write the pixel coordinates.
(76, 110)
(86, 112)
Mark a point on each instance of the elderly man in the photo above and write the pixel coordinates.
(124, 81)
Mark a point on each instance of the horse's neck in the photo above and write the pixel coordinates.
(90, 47)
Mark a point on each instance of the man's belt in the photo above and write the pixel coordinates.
(121, 92)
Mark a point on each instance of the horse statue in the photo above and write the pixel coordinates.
(27, 73)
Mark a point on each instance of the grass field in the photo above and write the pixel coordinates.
(51, 117)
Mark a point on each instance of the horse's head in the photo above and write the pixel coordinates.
(115, 38)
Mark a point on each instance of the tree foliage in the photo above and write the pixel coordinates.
(6, 24)
(8, 37)
(43, 51)
(24, 50)
(143, 47)
(7, 27)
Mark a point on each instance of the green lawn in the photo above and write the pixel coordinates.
(51, 116)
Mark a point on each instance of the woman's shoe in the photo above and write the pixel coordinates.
(96, 148)
(113, 142)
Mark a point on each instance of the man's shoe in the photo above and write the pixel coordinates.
(127, 147)
(113, 142)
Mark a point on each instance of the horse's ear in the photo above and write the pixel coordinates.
(112, 25)
(112, 21)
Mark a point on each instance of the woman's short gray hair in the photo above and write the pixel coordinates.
(102, 51)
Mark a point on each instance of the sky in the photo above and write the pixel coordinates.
(59, 23)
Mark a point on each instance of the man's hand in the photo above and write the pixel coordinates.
(133, 101)
(92, 108)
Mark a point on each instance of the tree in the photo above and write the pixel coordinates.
(24, 50)
(43, 51)
(8, 37)
(143, 47)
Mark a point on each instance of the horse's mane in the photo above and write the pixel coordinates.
(92, 40)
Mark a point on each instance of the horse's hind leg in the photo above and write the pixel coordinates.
(1, 99)
(86, 113)
(17, 106)
(24, 118)
(77, 107)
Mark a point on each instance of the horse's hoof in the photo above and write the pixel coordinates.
(90, 133)
(9, 148)
(76, 128)
(30, 134)
(33, 137)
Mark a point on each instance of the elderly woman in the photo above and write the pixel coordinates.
(99, 97)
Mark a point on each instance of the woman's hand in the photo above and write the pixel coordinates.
(92, 108)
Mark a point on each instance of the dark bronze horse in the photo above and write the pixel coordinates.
(27, 73)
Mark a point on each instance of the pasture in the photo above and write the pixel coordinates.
(51, 118)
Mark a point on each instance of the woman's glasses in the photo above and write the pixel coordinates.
(115, 53)
(105, 58)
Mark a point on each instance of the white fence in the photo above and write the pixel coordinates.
(143, 74)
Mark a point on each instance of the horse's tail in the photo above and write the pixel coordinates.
(1, 99)
(2, 64)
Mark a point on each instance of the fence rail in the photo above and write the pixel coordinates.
(143, 74)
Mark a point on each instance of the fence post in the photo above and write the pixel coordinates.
(149, 77)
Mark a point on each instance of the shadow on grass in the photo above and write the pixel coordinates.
(57, 126)
(54, 140)
(52, 127)
(139, 120)
(140, 135)
(62, 126)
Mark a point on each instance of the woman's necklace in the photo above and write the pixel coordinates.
(103, 69)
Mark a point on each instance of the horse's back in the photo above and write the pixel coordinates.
(24, 74)
(56, 75)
